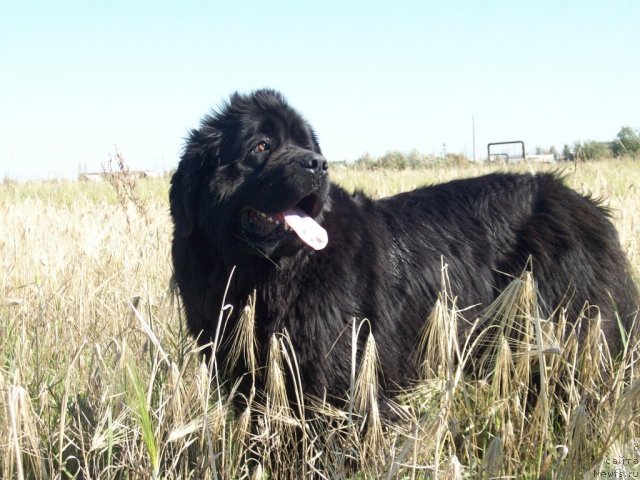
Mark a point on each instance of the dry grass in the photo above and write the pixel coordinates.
(98, 378)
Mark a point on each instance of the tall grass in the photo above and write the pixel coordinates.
(99, 379)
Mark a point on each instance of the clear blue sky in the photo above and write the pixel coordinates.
(77, 78)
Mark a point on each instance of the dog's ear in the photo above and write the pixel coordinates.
(182, 199)
(202, 152)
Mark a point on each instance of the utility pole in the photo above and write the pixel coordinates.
(473, 131)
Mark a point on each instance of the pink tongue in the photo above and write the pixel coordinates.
(306, 227)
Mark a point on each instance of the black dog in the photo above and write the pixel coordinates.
(252, 192)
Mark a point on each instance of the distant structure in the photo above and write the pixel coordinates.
(506, 152)
(541, 158)
(102, 176)
(514, 152)
(91, 177)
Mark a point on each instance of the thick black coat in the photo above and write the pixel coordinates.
(383, 260)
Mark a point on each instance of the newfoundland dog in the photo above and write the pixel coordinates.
(254, 211)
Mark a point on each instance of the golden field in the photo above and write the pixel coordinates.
(99, 379)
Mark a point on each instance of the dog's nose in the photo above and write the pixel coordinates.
(316, 163)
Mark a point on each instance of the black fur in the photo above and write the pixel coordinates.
(383, 259)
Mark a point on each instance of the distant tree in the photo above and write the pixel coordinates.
(457, 159)
(592, 150)
(566, 153)
(553, 151)
(577, 147)
(414, 159)
(366, 160)
(394, 159)
(627, 143)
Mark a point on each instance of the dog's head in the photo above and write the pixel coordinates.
(253, 179)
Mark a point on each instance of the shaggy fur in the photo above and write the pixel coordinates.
(383, 260)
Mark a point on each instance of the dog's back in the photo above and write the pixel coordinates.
(490, 229)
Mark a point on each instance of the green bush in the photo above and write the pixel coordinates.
(396, 160)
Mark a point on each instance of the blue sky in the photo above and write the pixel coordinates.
(79, 78)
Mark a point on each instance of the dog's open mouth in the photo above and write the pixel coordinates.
(297, 220)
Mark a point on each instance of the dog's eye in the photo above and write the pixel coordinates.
(262, 147)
